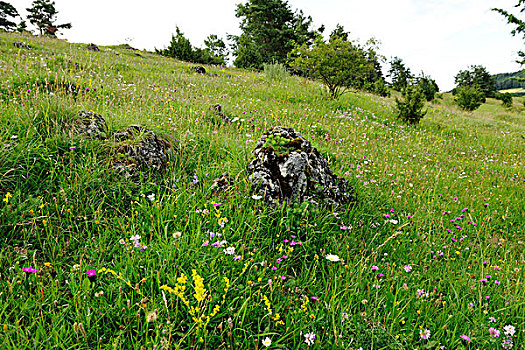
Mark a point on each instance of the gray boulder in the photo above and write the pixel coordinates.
(287, 168)
(91, 125)
(138, 150)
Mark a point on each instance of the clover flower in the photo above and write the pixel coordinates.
(424, 334)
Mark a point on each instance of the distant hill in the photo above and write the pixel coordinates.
(505, 81)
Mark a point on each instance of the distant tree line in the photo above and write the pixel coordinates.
(42, 14)
(505, 81)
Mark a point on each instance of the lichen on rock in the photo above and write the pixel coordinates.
(138, 150)
(287, 168)
(90, 125)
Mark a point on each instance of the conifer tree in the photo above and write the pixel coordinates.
(7, 12)
(42, 14)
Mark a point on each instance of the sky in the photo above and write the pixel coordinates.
(437, 37)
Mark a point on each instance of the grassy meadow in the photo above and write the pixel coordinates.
(432, 256)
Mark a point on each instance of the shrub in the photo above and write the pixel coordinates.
(275, 72)
(469, 98)
(411, 109)
(428, 87)
(506, 99)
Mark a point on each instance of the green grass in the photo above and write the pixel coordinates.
(64, 212)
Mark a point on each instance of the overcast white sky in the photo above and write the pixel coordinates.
(439, 37)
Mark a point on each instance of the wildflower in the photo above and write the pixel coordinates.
(332, 258)
(492, 319)
(424, 334)
(177, 234)
(152, 316)
(509, 330)
(309, 338)
(344, 316)
(92, 275)
(256, 197)
(407, 268)
(229, 250)
(374, 268)
(205, 244)
(7, 196)
(29, 269)
(494, 333)
(497, 282)
(237, 257)
(216, 205)
(72, 148)
(465, 338)
(151, 197)
(283, 277)
(380, 276)
(135, 238)
(507, 343)
(267, 342)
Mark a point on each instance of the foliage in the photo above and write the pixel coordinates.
(180, 48)
(428, 86)
(477, 77)
(7, 11)
(269, 31)
(411, 108)
(339, 64)
(399, 74)
(469, 98)
(339, 32)
(42, 14)
(505, 98)
(518, 23)
(275, 72)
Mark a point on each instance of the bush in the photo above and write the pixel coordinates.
(275, 72)
(411, 109)
(506, 99)
(380, 88)
(469, 98)
(428, 87)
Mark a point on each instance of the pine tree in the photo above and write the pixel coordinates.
(42, 14)
(7, 11)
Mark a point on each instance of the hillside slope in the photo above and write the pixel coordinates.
(434, 246)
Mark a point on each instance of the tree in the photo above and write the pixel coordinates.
(269, 32)
(506, 99)
(427, 86)
(7, 11)
(518, 23)
(478, 77)
(339, 32)
(411, 108)
(469, 98)
(216, 47)
(339, 64)
(42, 14)
(180, 47)
(399, 74)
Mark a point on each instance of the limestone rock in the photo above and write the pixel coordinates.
(92, 48)
(221, 184)
(199, 69)
(21, 45)
(287, 168)
(91, 125)
(139, 150)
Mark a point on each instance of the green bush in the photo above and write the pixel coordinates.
(275, 72)
(506, 99)
(411, 109)
(469, 98)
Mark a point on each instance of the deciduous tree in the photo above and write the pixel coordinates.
(518, 23)
(478, 77)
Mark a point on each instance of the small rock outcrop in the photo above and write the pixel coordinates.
(21, 45)
(198, 69)
(221, 184)
(91, 125)
(92, 48)
(287, 168)
(139, 150)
